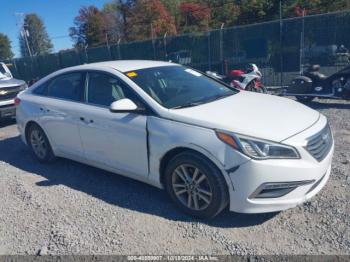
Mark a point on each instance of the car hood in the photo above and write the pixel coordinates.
(11, 82)
(252, 114)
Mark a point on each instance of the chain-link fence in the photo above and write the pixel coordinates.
(281, 49)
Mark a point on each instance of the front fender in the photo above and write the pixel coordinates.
(166, 135)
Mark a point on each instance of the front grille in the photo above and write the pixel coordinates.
(320, 144)
(7, 93)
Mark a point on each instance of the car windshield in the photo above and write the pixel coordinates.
(179, 87)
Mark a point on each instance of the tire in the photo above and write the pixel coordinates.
(250, 87)
(261, 90)
(209, 196)
(304, 99)
(39, 144)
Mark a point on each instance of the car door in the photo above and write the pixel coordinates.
(116, 140)
(57, 102)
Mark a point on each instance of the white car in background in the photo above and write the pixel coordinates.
(210, 146)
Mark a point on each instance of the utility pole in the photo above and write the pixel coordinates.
(25, 34)
(23, 31)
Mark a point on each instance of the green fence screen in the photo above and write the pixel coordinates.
(281, 49)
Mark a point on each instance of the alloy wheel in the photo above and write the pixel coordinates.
(191, 187)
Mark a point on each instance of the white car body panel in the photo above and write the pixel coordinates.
(116, 140)
(134, 144)
(238, 112)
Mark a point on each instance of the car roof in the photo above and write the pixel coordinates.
(124, 65)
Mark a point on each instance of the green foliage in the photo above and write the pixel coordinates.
(38, 39)
(5, 47)
(89, 29)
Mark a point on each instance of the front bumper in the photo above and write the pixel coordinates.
(7, 108)
(248, 179)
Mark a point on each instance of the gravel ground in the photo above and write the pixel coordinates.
(70, 208)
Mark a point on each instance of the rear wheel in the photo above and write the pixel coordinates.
(39, 144)
(196, 185)
(304, 99)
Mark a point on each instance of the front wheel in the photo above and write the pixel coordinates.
(196, 185)
(304, 99)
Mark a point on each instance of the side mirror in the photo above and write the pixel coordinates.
(124, 105)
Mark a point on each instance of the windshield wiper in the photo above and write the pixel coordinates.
(188, 105)
(205, 100)
(213, 98)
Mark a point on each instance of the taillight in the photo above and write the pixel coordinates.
(17, 101)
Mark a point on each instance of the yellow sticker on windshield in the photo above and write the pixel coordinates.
(131, 74)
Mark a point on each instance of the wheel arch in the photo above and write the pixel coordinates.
(199, 151)
(27, 128)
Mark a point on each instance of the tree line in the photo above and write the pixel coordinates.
(132, 20)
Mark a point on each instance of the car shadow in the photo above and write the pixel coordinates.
(113, 189)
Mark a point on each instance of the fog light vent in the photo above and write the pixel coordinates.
(278, 189)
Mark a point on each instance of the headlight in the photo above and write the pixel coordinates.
(257, 148)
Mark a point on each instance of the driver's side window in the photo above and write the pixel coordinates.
(104, 89)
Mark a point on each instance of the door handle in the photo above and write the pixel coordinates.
(44, 110)
(85, 121)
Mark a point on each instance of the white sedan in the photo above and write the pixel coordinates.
(209, 145)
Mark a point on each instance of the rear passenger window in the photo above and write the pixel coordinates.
(67, 86)
(42, 89)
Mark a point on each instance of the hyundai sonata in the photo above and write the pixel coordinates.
(209, 145)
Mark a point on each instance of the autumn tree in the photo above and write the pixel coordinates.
(173, 7)
(118, 14)
(34, 36)
(195, 17)
(223, 12)
(90, 27)
(293, 8)
(150, 19)
(253, 11)
(5, 47)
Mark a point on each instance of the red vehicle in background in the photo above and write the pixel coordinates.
(249, 79)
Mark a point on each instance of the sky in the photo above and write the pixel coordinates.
(57, 15)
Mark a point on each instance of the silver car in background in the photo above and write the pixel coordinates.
(9, 88)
